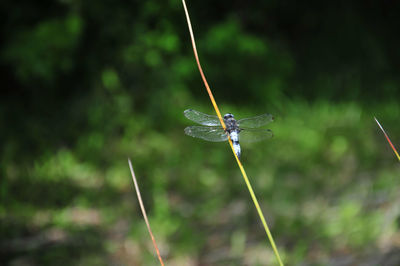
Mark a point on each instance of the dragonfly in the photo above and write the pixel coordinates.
(244, 130)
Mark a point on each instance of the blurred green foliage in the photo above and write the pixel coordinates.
(86, 85)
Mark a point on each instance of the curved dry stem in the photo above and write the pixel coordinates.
(253, 196)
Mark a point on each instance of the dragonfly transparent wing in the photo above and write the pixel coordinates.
(256, 121)
(203, 119)
(248, 135)
(215, 134)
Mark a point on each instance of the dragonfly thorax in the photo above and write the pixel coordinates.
(230, 123)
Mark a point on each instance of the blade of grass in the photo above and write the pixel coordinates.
(387, 138)
(144, 212)
(253, 196)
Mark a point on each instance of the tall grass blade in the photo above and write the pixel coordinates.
(144, 212)
(387, 138)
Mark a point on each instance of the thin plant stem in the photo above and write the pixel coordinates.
(387, 138)
(144, 212)
(253, 196)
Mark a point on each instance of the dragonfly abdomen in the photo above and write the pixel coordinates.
(234, 135)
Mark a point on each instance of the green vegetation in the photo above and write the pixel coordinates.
(85, 86)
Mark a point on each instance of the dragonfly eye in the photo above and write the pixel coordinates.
(228, 116)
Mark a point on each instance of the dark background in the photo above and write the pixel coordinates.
(84, 85)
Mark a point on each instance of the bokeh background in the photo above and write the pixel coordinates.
(87, 84)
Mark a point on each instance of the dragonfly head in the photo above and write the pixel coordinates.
(227, 116)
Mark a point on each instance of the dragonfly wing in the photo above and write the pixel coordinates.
(256, 121)
(215, 134)
(203, 119)
(248, 135)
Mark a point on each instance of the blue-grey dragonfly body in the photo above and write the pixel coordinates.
(245, 130)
